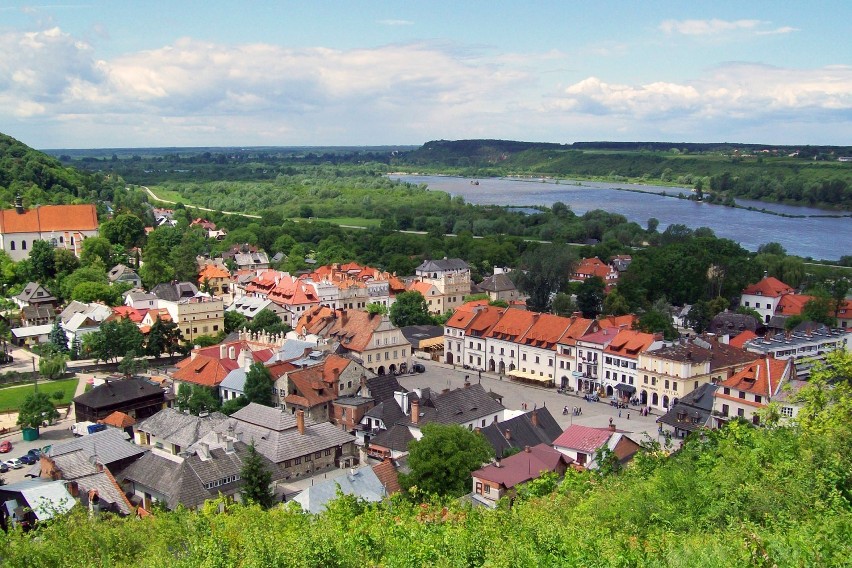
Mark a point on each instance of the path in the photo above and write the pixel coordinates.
(151, 193)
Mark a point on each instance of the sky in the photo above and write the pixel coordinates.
(110, 74)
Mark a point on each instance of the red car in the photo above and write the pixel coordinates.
(5, 447)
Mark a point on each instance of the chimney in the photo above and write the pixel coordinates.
(229, 445)
(73, 489)
(612, 426)
(467, 384)
(415, 411)
(19, 204)
(534, 418)
(204, 451)
(507, 434)
(300, 421)
(527, 449)
(232, 353)
(445, 391)
(223, 351)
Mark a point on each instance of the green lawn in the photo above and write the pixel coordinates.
(12, 397)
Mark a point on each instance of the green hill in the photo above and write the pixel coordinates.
(41, 179)
(740, 496)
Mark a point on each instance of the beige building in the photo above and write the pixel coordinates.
(197, 316)
(451, 277)
(667, 374)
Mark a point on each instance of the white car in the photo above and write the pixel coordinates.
(14, 463)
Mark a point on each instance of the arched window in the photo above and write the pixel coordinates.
(23, 245)
(11, 245)
(61, 239)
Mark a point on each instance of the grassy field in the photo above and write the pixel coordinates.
(11, 397)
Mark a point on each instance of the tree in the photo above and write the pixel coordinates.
(95, 273)
(131, 364)
(163, 337)
(43, 261)
(52, 367)
(410, 308)
(196, 399)
(96, 248)
(653, 223)
(234, 321)
(258, 386)
(656, 321)
(820, 309)
(88, 292)
(615, 304)
(267, 321)
(590, 297)
(232, 405)
(542, 272)
(442, 460)
(563, 305)
(35, 410)
(256, 479)
(377, 309)
(57, 338)
(125, 229)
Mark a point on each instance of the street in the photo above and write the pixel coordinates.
(439, 376)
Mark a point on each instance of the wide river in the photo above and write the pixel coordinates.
(826, 238)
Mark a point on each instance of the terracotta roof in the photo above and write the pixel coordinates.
(578, 328)
(387, 474)
(770, 287)
(719, 354)
(318, 384)
(352, 328)
(545, 331)
(423, 287)
(763, 377)
(134, 315)
(792, 304)
(472, 305)
(629, 343)
(618, 321)
(460, 319)
(211, 271)
(590, 267)
(742, 338)
(49, 218)
(583, 438)
(512, 325)
(118, 419)
(523, 466)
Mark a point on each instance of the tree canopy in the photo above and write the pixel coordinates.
(256, 479)
(410, 308)
(36, 409)
(258, 386)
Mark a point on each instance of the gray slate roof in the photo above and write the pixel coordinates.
(698, 406)
(363, 483)
(396, 438)
(522, 432)
(175, 292)
(443, 264)
(457, 406)
(120, 391)
(235, 380)
(388, 412)
(267, 417)
(173, 426)
(497, 283)
(110, 445)
(30, 294)
(381, 388)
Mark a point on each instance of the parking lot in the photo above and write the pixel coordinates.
(439, 376)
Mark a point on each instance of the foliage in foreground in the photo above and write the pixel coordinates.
(741, 496)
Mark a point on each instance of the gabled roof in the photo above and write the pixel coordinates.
(318, 384)
(363, 483)
(792, 304)
(121, 271)
(577, 329)
(626, 321)
(545, 331)
(34, 292)
(512, 325)
(172, 292)
(211, 271)
(46, 218)
(382, 387)
(442, 265)
(770, 287)
(109, 446)
(396, 438)
(498, 283)
(122, 391)
(693, 410)
(763, 377)
(118, 419)
(173, 426)
(388, 412)
(629, 343)
(388, 476)
(523, 466)
(456, 406)
(583, 438)
(267, 417)
(522, 432)
(740, 340)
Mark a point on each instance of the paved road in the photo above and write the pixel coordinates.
(597, 414)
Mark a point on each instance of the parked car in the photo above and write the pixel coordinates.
(3, 467)
(27, 459)
(5, 447)
(35, 453)
(14, 463)
(418, 368)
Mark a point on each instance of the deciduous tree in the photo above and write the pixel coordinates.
(35, 410)
(410, 308)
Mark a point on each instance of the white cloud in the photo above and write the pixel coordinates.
(715, 27)
(396, 22)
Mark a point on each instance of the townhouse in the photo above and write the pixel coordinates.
(621, 359)
(750, 390)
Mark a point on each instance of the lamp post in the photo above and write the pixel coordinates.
(35, 373)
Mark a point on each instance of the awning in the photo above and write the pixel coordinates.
(432, 343)
(529, 376)
(628, 389)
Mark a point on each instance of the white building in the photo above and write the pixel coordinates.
(63, 226)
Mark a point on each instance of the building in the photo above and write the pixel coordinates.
(621, 358)
(501, 478)
(63, 226)
(298, 446)
(451, 277)
(135, 397)
(470, 407)
(582, 443)
(465, 334)
(36, 295)
(764, 296)
(499, 287)
(215, 279)
(121, 274)
(671, 372)
(804, 344)
(197, 316)
(525, 430)
(362, 483)
(752, 389)
(691, 412)
(209, 366)
(79, 319)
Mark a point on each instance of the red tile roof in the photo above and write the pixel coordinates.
(590, 267)
(353, 328)
(523, 466)
(770, 287)
(207, 366)
(211, 271)
(512, 325)
(762, 377)
(618, 321)
(545, 331)
(792, 304)
(118, 419)
(583, 438)
(49, 218)
(578, 328)
(387, 474)
(629, 343)
(742, 338)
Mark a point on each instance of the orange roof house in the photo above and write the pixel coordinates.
(210, 365)
(118, 419)
(64, 226)
(752, 388)
(770, 287)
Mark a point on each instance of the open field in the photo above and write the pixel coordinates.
(11, 397)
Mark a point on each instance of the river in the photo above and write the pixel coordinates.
(826, 238)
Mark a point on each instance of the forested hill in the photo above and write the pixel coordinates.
(41, 179)
(803, 175)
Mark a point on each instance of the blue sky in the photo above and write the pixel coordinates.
(81, 74)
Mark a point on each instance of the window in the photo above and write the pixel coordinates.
(536, 359)
(787, 411)
(328, 452)
(479, 487)
(674, 386)
(216, 327)
(297, 461)
(758, 398)
(725, 409)
(667, 383)
(524, 357)
(307, 458)
(742, 395)
(726, 390)
(740, 412)
(23, 245)
(11, 245)
(487, 489)
(317, 454)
